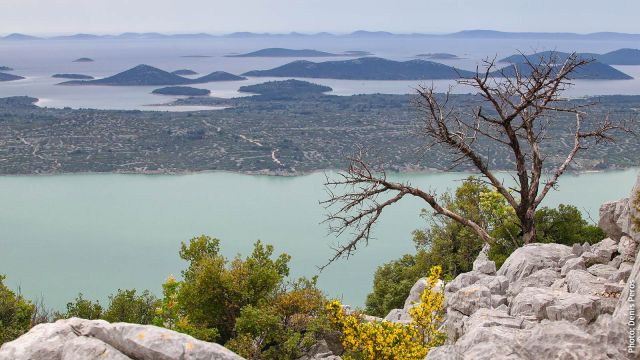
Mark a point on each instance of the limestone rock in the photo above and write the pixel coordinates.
(614, 218)
(320, 351)
(600, 253)
(531, 258)
(540, 278)
(602, 270)
(77, 337)
(482, 264)
(572, 264)
(623, 272)
(581, 282)
(469, 299)
(87, 348)
(627, 248)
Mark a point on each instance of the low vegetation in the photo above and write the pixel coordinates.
(15, 313)
(383, 340)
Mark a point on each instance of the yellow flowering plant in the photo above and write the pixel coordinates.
(384, 340)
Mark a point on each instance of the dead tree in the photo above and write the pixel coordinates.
(517, 105)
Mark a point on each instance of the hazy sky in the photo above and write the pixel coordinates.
(223, 16)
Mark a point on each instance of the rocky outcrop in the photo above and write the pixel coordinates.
(78, 339)
(560, 302)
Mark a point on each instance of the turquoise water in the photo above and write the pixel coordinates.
(60, 235)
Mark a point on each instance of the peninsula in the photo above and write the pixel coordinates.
(9, 77)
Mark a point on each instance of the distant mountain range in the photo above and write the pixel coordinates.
(368, 68)
(145, 75)
(468, 34)
(617, 57)
(372, 68)
(5, 68)
(9, 77)
(281, 52)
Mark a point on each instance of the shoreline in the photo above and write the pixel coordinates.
(271, 173)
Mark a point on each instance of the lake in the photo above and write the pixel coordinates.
(95, 233)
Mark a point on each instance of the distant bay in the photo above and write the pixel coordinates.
(95, 233)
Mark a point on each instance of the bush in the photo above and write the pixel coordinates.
(214, 289)
(393, 281)
(283, 328)
(245, 304)
(15, 313)
(127, 306)
(81, 308)
(383, 340)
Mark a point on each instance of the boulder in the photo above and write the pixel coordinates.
(614, 218)
(530, 258)
(573, 264)
(627, 247)
(623, 272)
(602, 270)
(469, 299)
(540, 278)
(87, 348)
(415, 294)
(600, 253)
(75, 337)
(320, 351)
(482, 264)
(581, 282)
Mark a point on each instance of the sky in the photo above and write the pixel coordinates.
(52, 17)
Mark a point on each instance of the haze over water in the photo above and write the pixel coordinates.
(38, 60)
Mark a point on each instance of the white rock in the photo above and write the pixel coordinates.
(573, 264)
(531, 258)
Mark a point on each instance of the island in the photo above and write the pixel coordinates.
(181, 91)
(624, 56)
(366, 68)
(9, 77)
(72, 76)
(5, 68)
(593, 70)
(281, 52)
(145, 75)
(83, 60)
(439, 56)
(184, 72)
(286, 88)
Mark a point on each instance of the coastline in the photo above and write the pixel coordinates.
(283, 174)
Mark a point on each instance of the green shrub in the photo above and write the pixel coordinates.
(127, 306)
(15, 313)
(81, 308)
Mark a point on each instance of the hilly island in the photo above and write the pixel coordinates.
(373, 68)
(145, 75)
